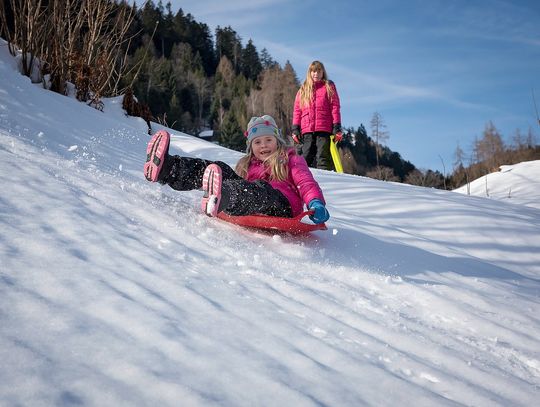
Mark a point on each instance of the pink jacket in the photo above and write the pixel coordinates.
(321, 114)
(300, 187)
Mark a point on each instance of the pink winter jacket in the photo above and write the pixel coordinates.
(300, 187)
(321, 114)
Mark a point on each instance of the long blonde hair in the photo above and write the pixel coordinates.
(277, 163)
(306, 90)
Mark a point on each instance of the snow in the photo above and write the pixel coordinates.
(117, 291)
(518, 183)
(206, 134)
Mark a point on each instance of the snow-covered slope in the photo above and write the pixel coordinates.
(518, 184)
(115, 291)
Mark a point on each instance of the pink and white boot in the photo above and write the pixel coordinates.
(211, 186)
(156, 152)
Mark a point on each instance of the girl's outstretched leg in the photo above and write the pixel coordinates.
(180, 173)
(186, 173)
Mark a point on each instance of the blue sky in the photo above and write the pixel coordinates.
(437, 70)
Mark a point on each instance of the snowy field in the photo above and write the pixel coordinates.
(116, 291)
(518, 184)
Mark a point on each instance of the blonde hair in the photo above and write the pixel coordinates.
(277, 163)
(306, 90)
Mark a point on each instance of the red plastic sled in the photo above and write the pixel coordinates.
(293, 226)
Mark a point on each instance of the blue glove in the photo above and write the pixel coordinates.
(321, 215)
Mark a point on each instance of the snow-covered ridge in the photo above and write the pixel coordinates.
(519, 184)
(116, 291)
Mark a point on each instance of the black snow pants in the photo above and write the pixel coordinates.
(239, 197)
(315, 148)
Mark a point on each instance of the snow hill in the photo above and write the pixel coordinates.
(518, 183)
(116, 291)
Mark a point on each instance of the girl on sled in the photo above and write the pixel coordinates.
(271, 179)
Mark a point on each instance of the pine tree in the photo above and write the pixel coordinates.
(266, 60)
(198, 36)
(228, 44)
(231, 135)
(251, 63)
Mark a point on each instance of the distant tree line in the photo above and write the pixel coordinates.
(489, 152)
(368, 156)
(171, 69)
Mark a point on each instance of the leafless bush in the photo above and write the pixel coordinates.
(21, 24)
(383, 173)
(134, 108)
(425, 178)
(78, 41)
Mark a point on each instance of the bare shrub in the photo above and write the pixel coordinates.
(134, 108)
(78, 41)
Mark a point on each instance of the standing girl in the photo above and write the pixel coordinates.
(271, 179)
(316, 116)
